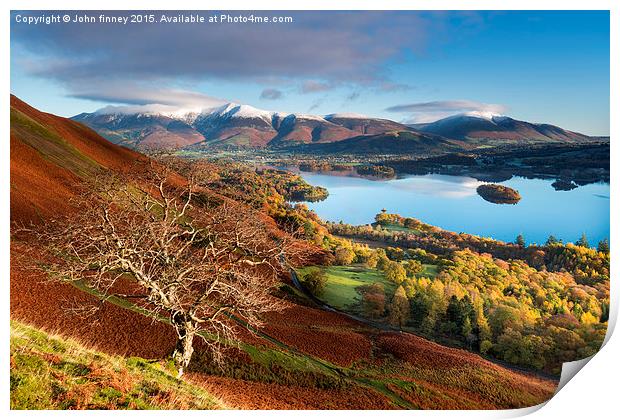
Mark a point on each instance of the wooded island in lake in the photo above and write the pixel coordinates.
(498, 194)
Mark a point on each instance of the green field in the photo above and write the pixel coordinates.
(342, 283)
(429, 270)
(399, 228)
(341, 290)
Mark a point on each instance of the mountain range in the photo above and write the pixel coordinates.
(488, 128)
(243, 126)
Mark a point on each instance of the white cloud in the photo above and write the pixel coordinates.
(421, 112)
(135, 95)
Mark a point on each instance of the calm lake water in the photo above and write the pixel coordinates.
(451, 202)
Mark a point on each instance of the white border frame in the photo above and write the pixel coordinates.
(591, 394)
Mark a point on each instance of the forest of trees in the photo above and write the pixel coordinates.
(532, 318)
(378, 171)
(506, 308)
(263, 187)
(499, 194)
(322, 166)
(588, 265)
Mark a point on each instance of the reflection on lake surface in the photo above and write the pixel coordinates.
(451, 202)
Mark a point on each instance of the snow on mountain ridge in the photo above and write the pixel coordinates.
(485, 115)
(306, 117)
(492, 117)
(228, 110)
(351, 115)
(236, 110)
(147, 110)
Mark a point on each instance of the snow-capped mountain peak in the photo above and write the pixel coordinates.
(485, 115)
(235, 110)
(226, 111)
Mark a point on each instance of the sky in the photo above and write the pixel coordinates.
(408, 66)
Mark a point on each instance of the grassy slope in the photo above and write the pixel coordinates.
(71, 137)
(408, 371)
(399, 228)
(49, 372)
(428, 270)
(342, 282)
(341, 290)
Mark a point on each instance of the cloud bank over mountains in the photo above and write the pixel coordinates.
(145, 95)
(317, 52)
(408, 66)
(422, 112)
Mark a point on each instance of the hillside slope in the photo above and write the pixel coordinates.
(399, 142)
(142, 131)
(366, 125)
(52, 372)
(48, 156)
(490, 130)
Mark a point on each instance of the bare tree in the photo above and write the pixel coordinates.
(198, 264)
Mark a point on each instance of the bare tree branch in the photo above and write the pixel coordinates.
(149, 241)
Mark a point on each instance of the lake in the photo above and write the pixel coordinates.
(451, 202)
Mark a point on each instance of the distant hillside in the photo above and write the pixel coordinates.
(366, 125)
(400, 142)
(490, 130)
(142, 130)
(295, 129)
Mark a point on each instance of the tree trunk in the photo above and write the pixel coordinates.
(185, 345)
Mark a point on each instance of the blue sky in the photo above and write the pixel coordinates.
(540, 66)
